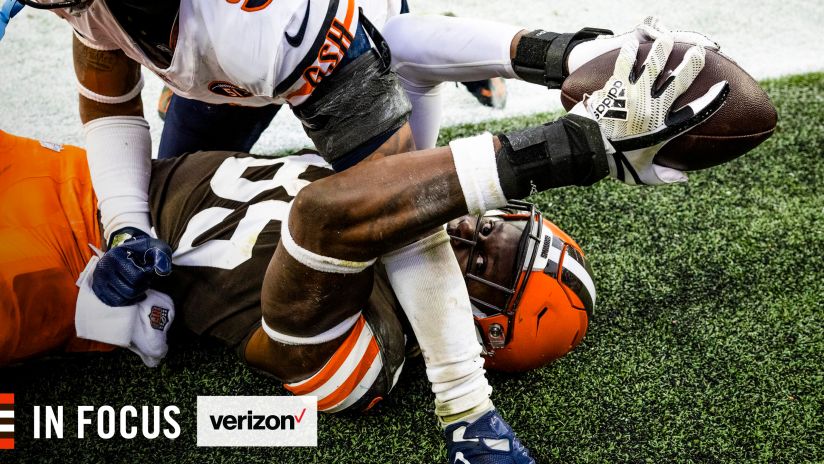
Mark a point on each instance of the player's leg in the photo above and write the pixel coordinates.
(362, 99)
(192, 125)
(328, 334)
(374, 209)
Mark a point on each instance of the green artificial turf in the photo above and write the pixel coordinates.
(707, 344)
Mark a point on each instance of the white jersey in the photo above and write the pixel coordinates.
(245, 52)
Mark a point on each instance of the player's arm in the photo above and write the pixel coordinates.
(338, 227)
(485, 49)
(378, 206)
(109, 83)
(118, 147)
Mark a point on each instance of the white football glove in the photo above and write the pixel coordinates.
(637, 119)
(650, 29)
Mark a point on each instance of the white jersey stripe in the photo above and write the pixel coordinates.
(346, 368)
(362, 387)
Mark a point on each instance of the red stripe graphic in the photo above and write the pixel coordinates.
(7, 439)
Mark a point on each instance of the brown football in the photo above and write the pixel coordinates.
(746, 119)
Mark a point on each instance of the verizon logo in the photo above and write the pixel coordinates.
(6, 421)
(257, 421)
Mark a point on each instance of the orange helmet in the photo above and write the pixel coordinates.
(549, 297)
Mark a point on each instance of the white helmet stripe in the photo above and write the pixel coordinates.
(574, 268)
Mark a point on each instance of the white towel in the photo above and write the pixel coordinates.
(141, 327)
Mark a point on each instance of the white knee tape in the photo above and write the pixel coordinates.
(477, 171)
(328, 336)
(316, 261)
(94, 96)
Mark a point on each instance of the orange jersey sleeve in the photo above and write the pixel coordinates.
(48, 218)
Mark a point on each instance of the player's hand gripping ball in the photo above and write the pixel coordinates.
(746, 119)
(126, 271)
(637, 117)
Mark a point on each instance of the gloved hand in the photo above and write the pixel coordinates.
(650, 29)
(127, 269)
(8, 9)
(637, 119)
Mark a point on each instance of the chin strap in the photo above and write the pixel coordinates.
(541, 56)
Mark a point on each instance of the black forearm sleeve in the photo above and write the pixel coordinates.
(569, 151)
(541, 56)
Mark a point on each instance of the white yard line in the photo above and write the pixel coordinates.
(767, 37)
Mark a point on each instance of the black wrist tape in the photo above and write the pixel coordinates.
(569, 151)
(541, 56)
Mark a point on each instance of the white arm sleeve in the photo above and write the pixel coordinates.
(119, 152)
(478, 49)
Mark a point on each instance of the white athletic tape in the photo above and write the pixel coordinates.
(94, 96)
(430, 287)
(316, 261)
(477, 171)
(331, 334)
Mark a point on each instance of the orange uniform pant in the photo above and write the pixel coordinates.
(48, 218)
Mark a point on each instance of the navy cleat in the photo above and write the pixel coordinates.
(488, 440)
(489, 92)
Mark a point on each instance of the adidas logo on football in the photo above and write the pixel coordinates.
(614, 103)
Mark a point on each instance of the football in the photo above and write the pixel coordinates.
(746, 119)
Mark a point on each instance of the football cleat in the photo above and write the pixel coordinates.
(540, 310)
(489, 92)
(487, 440)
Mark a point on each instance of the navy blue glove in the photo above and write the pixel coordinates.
(8, 9)
(125, 272)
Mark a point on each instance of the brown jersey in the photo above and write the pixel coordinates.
(221, 214)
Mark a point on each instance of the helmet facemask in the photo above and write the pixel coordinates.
(496, 335)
